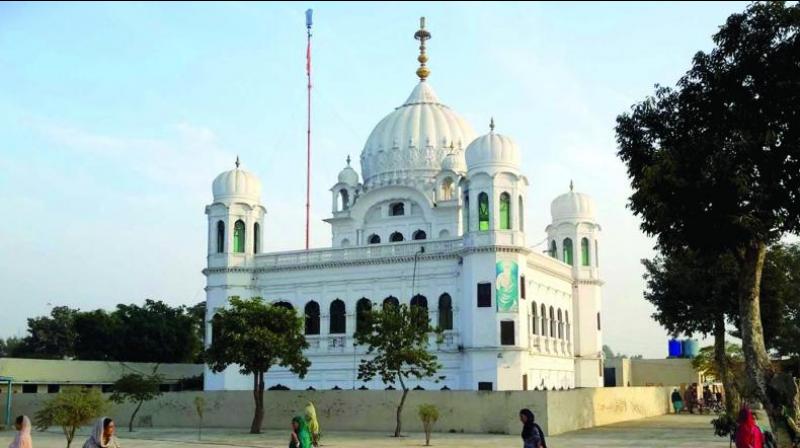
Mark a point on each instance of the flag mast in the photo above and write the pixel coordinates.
(308, 127)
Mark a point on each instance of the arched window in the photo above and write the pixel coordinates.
(283, 304)
(483, 212)
(598, 321)
(552, 322)
(445, 312)
(444, 234)
(553, 249)
(505, 211)
(256, 238)
(312, 317)
(238, 236)
(560, 325)
(534, 318)
(338, 323)
(390, 301)
(567, 251)
(396, 237)
(345, 243)
(566, 321)
(363, 310)
(420, 235)
(374, 239)
(585, 251)
(447, 189)
(420, 303)
(344, 200)
(397, 209)
(596, 254)
(465, 211)
(220, 237)
(544, 320)
(216, 327)
(521, 212)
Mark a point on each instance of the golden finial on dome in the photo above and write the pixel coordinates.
(422, 35)
(570, 185)
(348, 160)
(491, 124)
(237, 161)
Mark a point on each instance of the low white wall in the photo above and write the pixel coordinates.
(460, 411)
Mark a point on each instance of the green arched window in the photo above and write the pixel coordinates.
(553, 249)
(585, 251)
(567, 249)
(483, 212)
(505, 211)
(238, 236)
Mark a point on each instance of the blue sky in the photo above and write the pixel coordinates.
(115, 118)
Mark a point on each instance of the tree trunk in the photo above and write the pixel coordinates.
(763, 382)
(400, 409)
(723, 368)
(258, 397)
(428, 434)
(133, 416)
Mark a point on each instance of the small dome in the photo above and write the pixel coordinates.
(572, 206)
(237, 184)
(492, 149)
(348, 175)
(454, 161)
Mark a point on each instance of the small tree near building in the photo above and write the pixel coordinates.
(429, 414)
(396, 337)
(200, 408)
(256, 336)
(136, 388)
(70, 409)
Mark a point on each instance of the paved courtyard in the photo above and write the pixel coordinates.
(668, 431)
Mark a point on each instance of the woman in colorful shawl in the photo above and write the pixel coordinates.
(102, 435)
(301, 438)
(748, 435)
(313, 423)
(23, 437)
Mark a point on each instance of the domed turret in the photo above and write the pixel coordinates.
(237, 184)
(572, 206)
(492, 149)
(454, 161)
(348, 175)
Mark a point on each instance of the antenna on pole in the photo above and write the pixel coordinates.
(309, 13)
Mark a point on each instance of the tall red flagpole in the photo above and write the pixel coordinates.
(308, 129)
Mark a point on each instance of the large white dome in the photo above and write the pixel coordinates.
(572, 206)
(237, 184)
(409, 144)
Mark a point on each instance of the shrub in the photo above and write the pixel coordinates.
(429, 414)
(72, 408)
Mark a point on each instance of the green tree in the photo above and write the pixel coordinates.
(256, 336)
(397, 348)
(51, 336)
(428, 414)
(9, 346)
(608, 353)
(97, 337)
(157, 332)
(136, 388)
(70, 409)
(714, 163)
(706, 363)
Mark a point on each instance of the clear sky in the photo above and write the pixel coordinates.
(115, 118)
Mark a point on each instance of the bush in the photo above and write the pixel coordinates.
(429, 414)
(72, 408)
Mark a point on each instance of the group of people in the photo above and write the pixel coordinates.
(692, 400)
(102, 435)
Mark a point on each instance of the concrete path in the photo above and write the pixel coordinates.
(667, 431)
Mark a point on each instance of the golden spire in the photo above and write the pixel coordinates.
(422, 35)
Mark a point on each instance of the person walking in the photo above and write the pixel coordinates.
(23, 437)
(748, 434)
(677, 401)
(102, 435)
(301, 437)
(532, 434)
(313, 423)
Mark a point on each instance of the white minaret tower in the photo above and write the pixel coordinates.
(573, 238)
(235, 229)
(493, 319)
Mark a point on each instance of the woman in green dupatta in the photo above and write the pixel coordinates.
(301, 437)
(313, 423)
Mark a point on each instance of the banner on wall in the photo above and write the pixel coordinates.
(507, 286)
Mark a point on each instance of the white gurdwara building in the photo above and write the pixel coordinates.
(436, 219)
